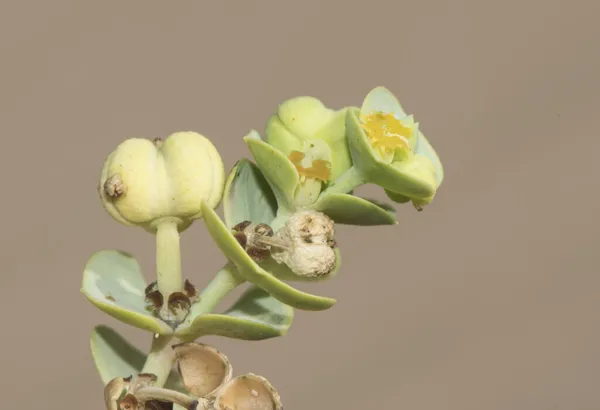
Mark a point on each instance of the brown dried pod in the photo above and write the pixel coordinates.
(203, 369)
(114, 390)
(179, 305)
(129, 402)
(190, 290)
(248, 392)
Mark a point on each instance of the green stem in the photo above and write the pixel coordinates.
(160, 360)
(226, 280)
(168, 258)
(347, 182)
(282, 216)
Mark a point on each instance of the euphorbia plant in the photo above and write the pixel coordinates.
(278, 227)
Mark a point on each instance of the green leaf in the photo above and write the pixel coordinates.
(380, 99)
(410, 178)
(116, 357)
(255, 316)
(424, 148)
(277, 169)
(248, 196)
(352, 210)
(112, 281)
(253, 273)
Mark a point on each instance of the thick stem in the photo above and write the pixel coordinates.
(226, 280)
(168, 261)
(347, 182)
(160, 359)
(156, 393)
(280, 219)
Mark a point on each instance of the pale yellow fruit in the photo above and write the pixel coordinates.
(144, 181)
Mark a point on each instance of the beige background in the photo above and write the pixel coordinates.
(489, 299)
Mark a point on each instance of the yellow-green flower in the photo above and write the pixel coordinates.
(146, 181)
(303, 125)
(389, 150)
(297, 179)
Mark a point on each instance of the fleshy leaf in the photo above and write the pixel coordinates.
(283, 272)
(305, 116)
(335, 135)
(398, 198)
(112, 281)
(352, 210)
(277, 169)
(424, 148)
(407, 178)
(116, 357)
(248, 196)
(280, 137)
(253, 273)
(255, 316)
(380, 99)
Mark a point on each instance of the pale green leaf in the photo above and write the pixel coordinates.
(255, 316)
(408, 178)
(352, 210)
(248, 196)
(277, 169)
(253, 273)
(116, 357)
(112, 281)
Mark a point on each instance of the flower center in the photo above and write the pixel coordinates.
(386, 132)
(318, 169)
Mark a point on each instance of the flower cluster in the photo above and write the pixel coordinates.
(277, 227)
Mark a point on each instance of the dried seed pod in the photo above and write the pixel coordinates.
(310, 227)
(158, 405)
(310, 236)
(254, 238)
(308, 260)
(241, 226)
(178, 305)
(203, 369)
(140, 381)
(129, 402)
(152, 287)
(155, 299)
(248, 392)
(190, 290)
(114, 390)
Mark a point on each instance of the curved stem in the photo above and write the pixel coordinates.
(160, 359)
(168, 262)
(226, 280)
(156, 393)
(347, 182)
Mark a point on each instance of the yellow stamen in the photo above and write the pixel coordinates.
(385, 131)
(320, 169)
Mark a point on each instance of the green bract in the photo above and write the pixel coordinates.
(389, 150)
(255, 316)
(113, 283)
(282, 177)
(304, 121)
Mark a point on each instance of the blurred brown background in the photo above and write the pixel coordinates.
(489, 299)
